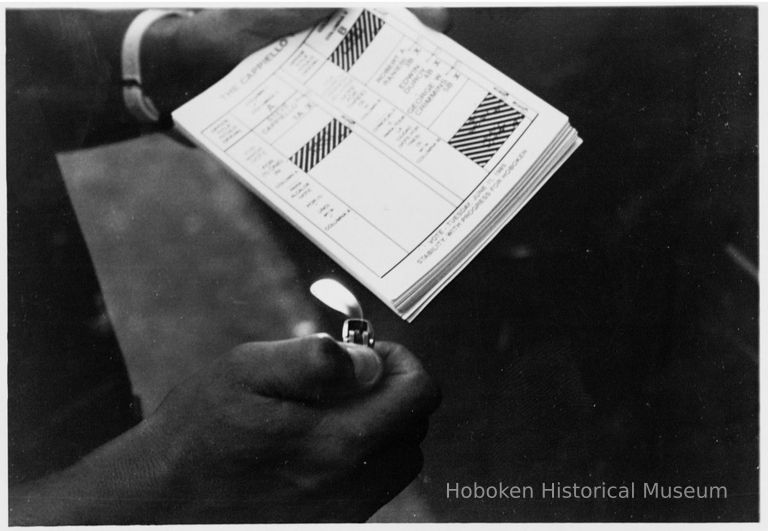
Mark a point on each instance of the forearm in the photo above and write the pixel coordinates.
(121, 482)
(68, 63)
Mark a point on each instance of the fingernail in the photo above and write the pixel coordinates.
(366, 362)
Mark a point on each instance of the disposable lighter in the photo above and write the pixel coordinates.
(333, 294)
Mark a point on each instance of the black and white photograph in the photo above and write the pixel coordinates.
(381, 263)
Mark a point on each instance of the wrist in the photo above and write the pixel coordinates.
(134, 474)
(163, 70)
(126, 481)
(155, 457)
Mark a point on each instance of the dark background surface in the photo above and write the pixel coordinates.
(609, 333)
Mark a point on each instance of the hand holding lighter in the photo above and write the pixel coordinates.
(334, 295)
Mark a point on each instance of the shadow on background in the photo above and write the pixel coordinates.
(608, 334)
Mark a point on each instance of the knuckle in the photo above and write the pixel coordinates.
(288, 422)
(345, 452)
(331, 464)
(241, 354)
(416, 463)
(352, 449)
(232, 364)
(342, 460)
(427, 393)
(345, 449)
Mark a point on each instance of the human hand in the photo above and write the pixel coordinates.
(181, 56)
(299, 430)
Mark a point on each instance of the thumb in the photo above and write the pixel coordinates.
(367, 364)
(309, 369)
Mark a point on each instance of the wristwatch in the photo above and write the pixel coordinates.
(138, 104)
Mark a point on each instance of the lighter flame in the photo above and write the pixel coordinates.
(331, 293)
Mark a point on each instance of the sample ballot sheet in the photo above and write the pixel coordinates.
(384, 142)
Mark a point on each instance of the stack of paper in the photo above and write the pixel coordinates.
(394, 149)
